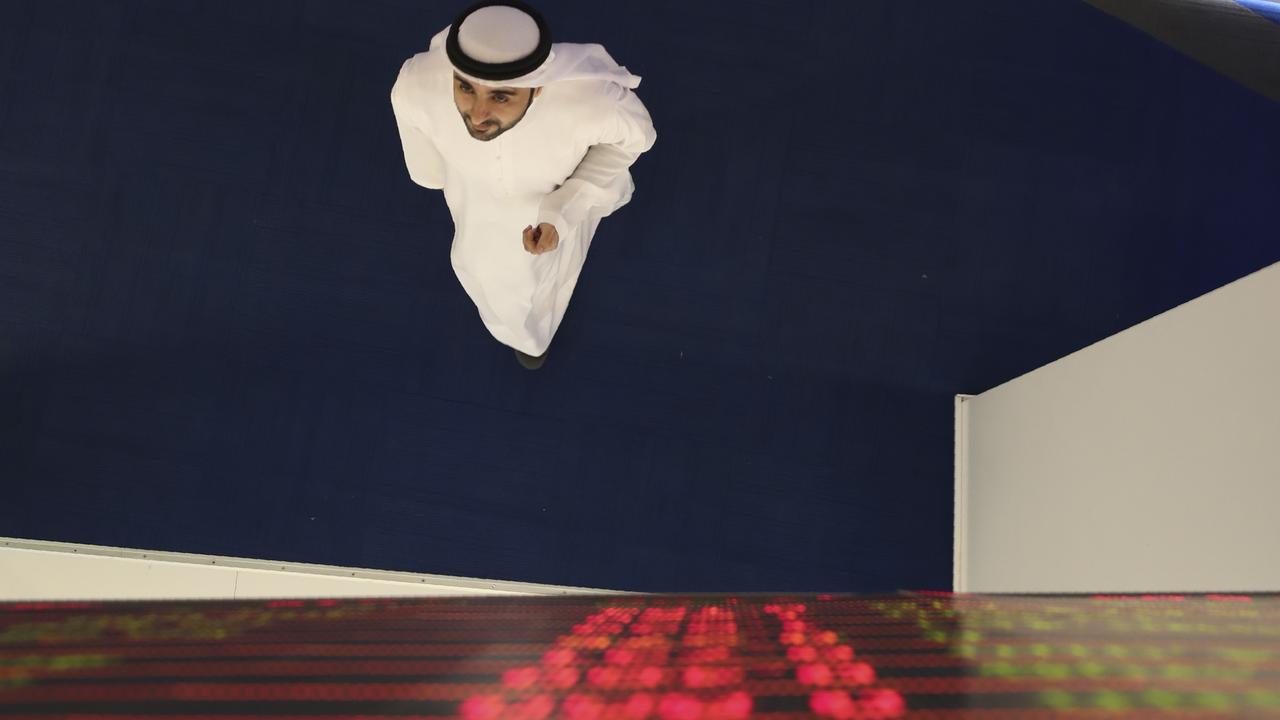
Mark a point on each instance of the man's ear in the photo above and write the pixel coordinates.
(537, 92)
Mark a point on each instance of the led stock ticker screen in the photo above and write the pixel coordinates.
(633, 657)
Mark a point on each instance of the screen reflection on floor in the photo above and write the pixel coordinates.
(933, 655)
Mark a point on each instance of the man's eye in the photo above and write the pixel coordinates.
(500, 98)
(465, 88)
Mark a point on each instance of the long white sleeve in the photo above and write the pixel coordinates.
(421, 157)
(601, 181)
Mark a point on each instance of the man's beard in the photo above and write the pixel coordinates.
(471, 128)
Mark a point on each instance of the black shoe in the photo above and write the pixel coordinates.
(529, 362)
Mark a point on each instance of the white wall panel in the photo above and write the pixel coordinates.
(1149, 461)
(43, 570)
(41, 575)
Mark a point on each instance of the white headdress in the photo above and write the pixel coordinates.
(506, 42)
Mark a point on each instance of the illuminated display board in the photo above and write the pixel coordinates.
(665, 657)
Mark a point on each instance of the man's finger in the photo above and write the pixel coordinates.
(548, 237)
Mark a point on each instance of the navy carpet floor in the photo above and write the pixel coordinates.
(228, 323)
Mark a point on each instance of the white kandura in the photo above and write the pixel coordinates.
(565, 163)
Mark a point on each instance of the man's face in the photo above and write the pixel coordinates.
(487, 111)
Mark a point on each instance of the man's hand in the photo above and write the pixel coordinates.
(541, 239)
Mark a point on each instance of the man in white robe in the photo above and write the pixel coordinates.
(531, 142)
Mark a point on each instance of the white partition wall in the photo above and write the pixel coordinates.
(1148, 462)
(40, 570)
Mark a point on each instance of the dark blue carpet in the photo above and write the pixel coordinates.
(228, 323)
